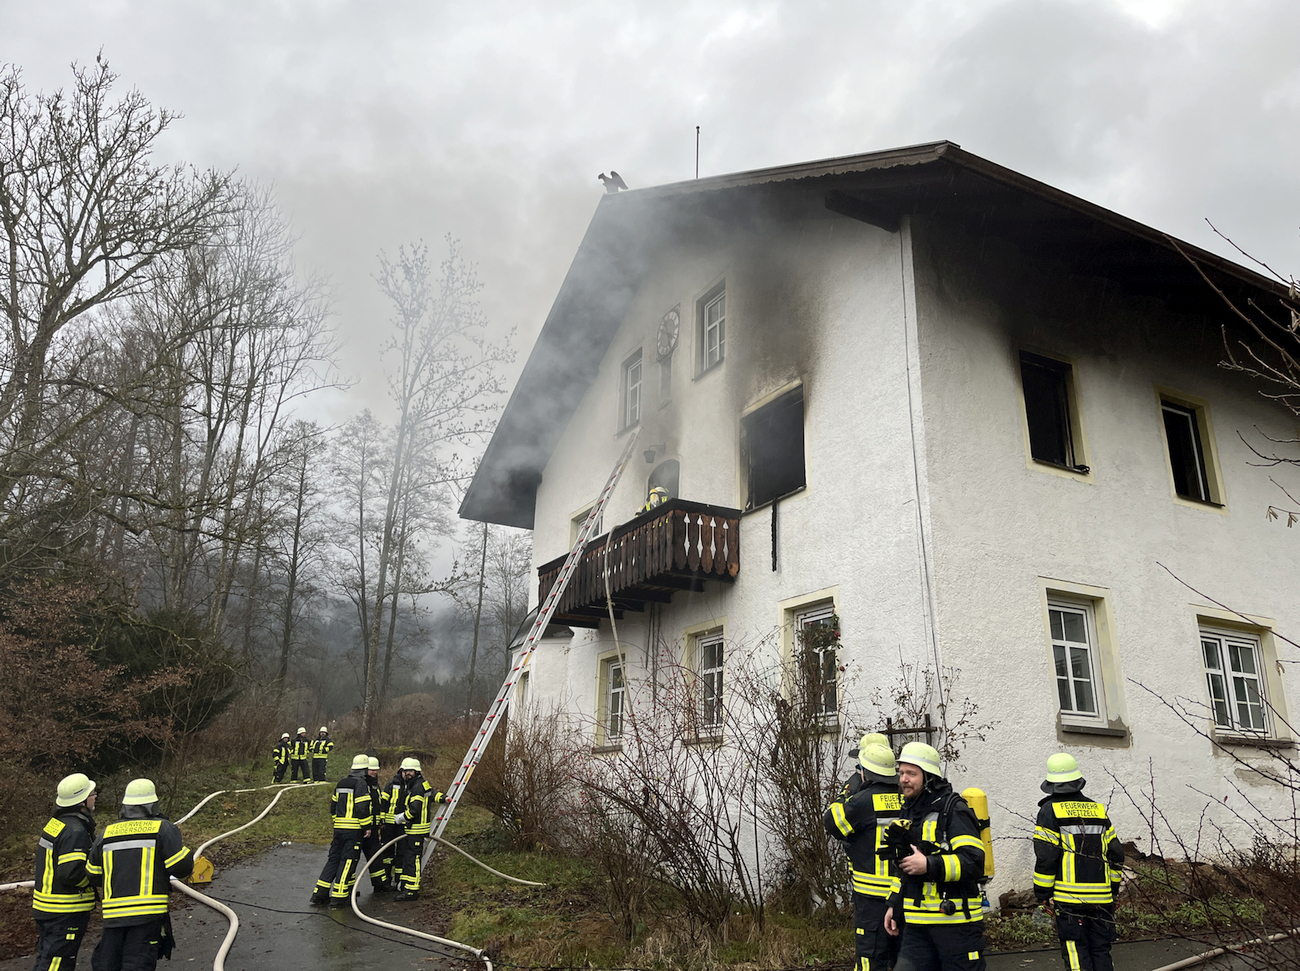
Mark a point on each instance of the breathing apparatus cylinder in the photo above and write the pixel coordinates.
(979, 803)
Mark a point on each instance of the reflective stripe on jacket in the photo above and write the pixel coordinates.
(299, 749)
(280, 754)
(320, 748)
(392, 800)
(1076, 852)
(419, 794)
(351, 806)
(858, 818)
(62, 883)
(134, 861)
(955, 862)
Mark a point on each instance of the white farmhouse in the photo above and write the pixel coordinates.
(979, 419)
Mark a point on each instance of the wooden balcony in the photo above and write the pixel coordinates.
(674, 548)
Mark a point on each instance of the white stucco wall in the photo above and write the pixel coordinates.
(1001, 523)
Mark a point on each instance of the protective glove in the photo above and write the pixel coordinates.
(442, 797)
(400, 819)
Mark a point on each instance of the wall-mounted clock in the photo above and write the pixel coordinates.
(666, 340)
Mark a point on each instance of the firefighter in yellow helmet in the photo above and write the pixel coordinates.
(351, 812)
(1077, 859)
(854, 781)
(654, 499)
(938, 909)
(859, 821)
(134, 862)
(63, 898)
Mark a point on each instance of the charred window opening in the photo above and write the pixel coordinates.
(1049, 411)
(771, 442)
(667, 476)
(1186, 453)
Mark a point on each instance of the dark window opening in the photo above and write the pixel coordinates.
(1047, 407)
(667, 476)
(772, 449)
(1186, 456)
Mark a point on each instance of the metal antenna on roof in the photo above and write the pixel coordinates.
(697, 151)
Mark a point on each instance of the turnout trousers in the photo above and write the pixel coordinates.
(876, 950)
(58, 940)
(386, 866)
(134, 948)
(318, 769)
(369, 847)
(1086, 934)
(409, 852)
(279, 772)
(942, 947)
(300, 765)
(340, 871)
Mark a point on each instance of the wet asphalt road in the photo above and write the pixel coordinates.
(279, 930)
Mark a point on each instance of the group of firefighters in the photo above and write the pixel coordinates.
(299, 751)
(132, 862)
(917, 858)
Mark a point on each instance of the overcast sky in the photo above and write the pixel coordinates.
(380, 123)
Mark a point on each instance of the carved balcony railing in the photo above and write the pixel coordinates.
(676, 547)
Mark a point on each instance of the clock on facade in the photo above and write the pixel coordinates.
(666, 341)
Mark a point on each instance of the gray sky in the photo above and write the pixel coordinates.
(383, 122)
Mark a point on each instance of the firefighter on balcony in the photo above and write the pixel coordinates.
(299, 754)
(938, 908)
(320, 747)
(350, 810)
(134, 862)
(858, 820)
(418, 820)
(656, 498)
(63, 898)
(1077, 859)
(280, 757)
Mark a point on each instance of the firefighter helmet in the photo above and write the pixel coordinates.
(877, 758)
(372, 763)
(924, 757)
(74, 790)
(1062, 767)
(139, 792)
(325, 729)
(410, 763)
(361, 761)
(302, 731)
(285, 735)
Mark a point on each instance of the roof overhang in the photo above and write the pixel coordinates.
(935, 179)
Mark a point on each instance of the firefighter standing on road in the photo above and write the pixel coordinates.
(351, 812)
(299, 755)
(370, 844)
(320, 747)
(280, 757)
(134, 862)
(417, 818)
(1077, 857)
(63, 898)
(858, 820)
(938, 909)
(392, 800)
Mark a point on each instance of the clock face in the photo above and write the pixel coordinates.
(666, 341)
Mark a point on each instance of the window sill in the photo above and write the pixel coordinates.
(627, 428)
(714, 738)
(710, 369)
(1084, 729)
(1198, 503)
(1082, 471)
(1250, 741)
(606, 749)
(780, 498)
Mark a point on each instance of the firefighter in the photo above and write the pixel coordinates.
(63, 898)
(280, 757)
(320, 747)
(938, 909)
(854, 781)
(350, 810)
(371, 844)
(1077, 859)
(298, 756)
(392, 800)
(859, 821)
(134, 861)
(417, 818)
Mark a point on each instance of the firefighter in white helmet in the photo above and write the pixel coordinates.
(280, 757)
(351, 812)
(1077, 859)
(418, 820)
(63, 899)
(859, 821)
(938, 910)
(320, 748)
(299, 756)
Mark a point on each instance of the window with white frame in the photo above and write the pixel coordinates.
(713, 329)
(1073, 630)
(816, 631)
(632, 390)
(612, 704)
(1234, 675)
(521, 693)
(708, 654)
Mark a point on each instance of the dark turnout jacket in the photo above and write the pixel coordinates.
(858, 818)
(351, 806)
(134, 862)
(951, 841)
(1077, 855)
(62, 883)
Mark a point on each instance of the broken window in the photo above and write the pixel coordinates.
(1186, 453)
(1049, 410)
(771, 441)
